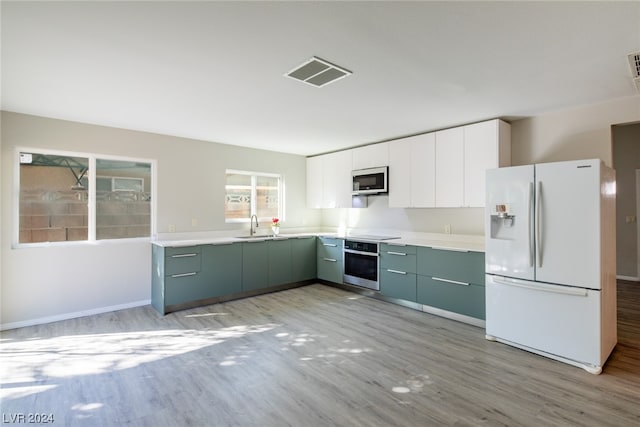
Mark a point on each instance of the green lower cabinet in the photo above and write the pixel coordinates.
(222, 267)
(255, 265)
(468, 300)
(329, 265)
(330, 269)
(185, 287)
(280, 263)
(303, 259)
(398, 284)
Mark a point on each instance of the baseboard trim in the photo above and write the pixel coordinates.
(629, 278)
(74, 315)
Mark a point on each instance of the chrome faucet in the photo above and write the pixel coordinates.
(251, 229)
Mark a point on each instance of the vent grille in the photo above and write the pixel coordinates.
(318, 72)
(634, 63)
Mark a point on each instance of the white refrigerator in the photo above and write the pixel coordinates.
(551, 260)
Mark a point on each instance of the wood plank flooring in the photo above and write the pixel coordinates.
(310, 356)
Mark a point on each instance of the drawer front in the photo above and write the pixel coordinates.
(405, 249)
(398, 285)
(330, 269)
(330, 248)
(186, 287)
(182, 260)
(396, 260)
(465, 267)
(462, 299)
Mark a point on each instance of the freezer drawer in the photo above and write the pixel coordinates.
(559, 320)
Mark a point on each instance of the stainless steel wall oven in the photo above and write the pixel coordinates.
(361, 263)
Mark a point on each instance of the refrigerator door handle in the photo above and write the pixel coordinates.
(565, 290)
(530, 224)
(538, 221)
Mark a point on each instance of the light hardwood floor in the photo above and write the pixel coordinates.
(311, 356)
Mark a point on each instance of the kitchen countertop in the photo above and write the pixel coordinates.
(432, 240)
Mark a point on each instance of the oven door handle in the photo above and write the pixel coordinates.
(351, 251)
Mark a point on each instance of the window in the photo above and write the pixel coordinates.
(253, 193)
(72, 197)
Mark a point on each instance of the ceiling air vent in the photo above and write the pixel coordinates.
(634, 63)
(318, 72)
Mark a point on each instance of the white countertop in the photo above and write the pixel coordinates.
(432, 240)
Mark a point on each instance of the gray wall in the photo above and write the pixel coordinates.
(626, 159)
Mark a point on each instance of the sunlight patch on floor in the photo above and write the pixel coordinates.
(73, 355)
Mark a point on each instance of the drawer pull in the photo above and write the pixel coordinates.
(183, 255)
(396, 271)
(396, 253)
(440, 248)
(333, 245)
(455, 282)
(184, 274)
(330, 259)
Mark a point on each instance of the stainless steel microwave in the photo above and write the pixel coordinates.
(370, 181)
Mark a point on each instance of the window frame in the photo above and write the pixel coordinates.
(254, 175)
(91, 202)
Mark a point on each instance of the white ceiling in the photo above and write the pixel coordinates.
(214, 70)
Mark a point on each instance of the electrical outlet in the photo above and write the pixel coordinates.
(172, 228)
(194, 222)
(447, 228)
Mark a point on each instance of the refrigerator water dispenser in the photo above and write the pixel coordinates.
(502, 221)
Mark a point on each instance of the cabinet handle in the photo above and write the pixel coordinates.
(397, 253)
(396, 271)
(184, 274)
(455, 282)
(396, 244)
(183, 255)
(333, 245)
(330, 259)
(255, 240)
(440, 248)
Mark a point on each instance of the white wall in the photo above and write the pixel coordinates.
(573, 134)
(47, 283)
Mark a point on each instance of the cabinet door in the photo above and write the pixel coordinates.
(185, 287)
(400, 168)
(255, 265)
(371, 156)
(450, 167)
(480, 154)
(336, 169)
(330, 259)
(423, 171)
(461, 266)
(330, 269)
(314, 182)
(303, 259)
(279, 262)
(468, 300)
(398, 284)
(222, 267)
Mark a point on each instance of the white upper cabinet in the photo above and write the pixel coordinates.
(412, 172)
(487, 145)
(450, 167)
(337, 173)
(371, 156)
(329, 180)
(438, 169)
